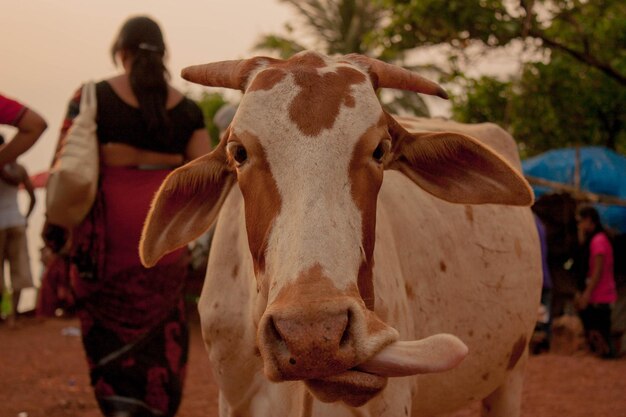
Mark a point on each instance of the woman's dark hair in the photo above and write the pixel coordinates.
(142, 37)
(589, 212)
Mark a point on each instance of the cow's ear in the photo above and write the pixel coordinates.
(456, 168)
(185, 205)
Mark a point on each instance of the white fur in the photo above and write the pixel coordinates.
(313, 181)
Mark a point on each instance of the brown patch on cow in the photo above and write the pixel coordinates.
(311, 286)
(518, 248)
(365, 179)
(267, 79)
(470, 333)
(442, 266)
(261, 208)
(485, 376)
(321, 96)
(365, 283)
(276, 70)
(409, 290)
(235, 271)
(517, 352)
(469, 213)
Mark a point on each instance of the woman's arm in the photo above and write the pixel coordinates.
(29, 128)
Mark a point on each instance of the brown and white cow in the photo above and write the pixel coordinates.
(360, 257)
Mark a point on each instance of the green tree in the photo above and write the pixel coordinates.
(590, 32)
(339, 27)
(556, 104)
(570, 90)
(210, 103)
(332, 26)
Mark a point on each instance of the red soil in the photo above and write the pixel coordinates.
(44, 374)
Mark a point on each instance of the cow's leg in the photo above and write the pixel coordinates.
(506, 400)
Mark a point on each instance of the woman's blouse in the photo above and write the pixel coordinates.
(120, 122)
(604, 292)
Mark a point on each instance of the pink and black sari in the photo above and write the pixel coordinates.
(133, 320)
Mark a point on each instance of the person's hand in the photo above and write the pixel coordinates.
(55, 237)
(10, 175)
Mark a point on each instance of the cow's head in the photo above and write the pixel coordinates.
(308, 147)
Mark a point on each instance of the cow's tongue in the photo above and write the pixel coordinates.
(435, 353)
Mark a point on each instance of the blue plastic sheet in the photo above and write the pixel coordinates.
(602, 171)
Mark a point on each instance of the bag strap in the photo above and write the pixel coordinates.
(88, 100)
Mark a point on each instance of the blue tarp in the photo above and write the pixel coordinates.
(602, 171)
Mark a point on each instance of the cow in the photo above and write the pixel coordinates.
(363, 264)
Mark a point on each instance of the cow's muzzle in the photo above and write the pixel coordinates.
(319, 340)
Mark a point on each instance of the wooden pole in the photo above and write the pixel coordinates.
(577, 193)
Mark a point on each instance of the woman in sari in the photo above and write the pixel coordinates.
(133, 321)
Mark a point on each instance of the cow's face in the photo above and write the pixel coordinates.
(308, 148)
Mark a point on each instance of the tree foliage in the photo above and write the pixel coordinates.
(332, 26)
(338, 27)
(574, 94)
(591, 32)
(210, 103)
(556, 104)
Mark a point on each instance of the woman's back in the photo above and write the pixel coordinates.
(120, 122)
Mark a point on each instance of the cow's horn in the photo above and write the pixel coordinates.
(227, 74)
(393, 76)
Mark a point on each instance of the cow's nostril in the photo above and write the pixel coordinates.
(292, 361)
(273, 331)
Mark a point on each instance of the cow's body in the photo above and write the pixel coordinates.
(467, 270)
(334, 290)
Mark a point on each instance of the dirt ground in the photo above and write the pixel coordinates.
(43, 373)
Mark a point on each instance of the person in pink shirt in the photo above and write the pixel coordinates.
(598, 292)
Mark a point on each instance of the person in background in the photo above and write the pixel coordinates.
(133, 322)
(13, 241)
(597, 287)
(55, 297)
(30, 126)
(544, 322)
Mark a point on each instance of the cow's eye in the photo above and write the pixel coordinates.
(381, 150)
(237, 152)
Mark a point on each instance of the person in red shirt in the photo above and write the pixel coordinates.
(30, 125)
(598, 291)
